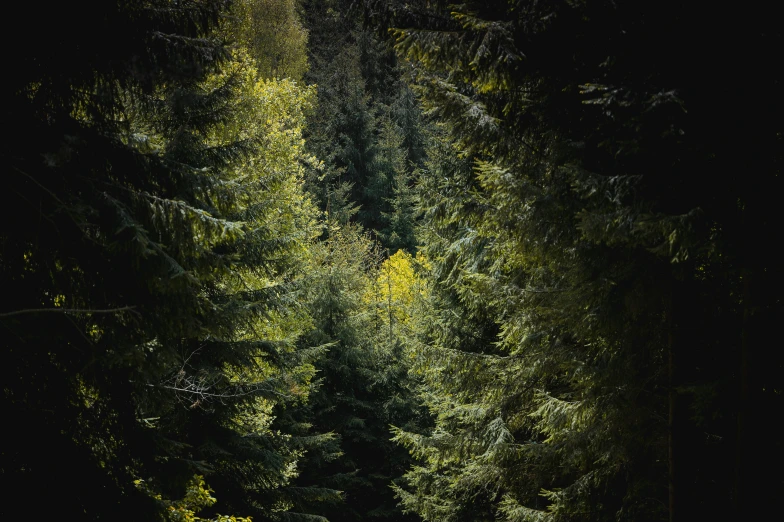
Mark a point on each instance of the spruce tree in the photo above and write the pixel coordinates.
(163, 221)
(93, 293)
(612, 272)
(362, 383)
(367, 122)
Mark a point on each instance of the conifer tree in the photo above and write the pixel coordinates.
(366, 125)
(362, 384)
(392, 178)
(85, 272)
(342, 403)
(583, 352)
(341, 135)
(159, 188)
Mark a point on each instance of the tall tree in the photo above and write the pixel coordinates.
(83, 347)
(342, 404)
(362, 378)
(587, 232)
(366, 126)
(161, 222)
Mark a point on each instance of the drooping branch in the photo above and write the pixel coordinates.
(68, 311)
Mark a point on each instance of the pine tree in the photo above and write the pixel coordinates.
(341, 135)
(392, 177)
(342, 403)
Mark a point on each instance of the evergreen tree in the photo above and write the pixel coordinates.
(366, 125)
(392, 176)
(342, 137)
(362, 383)
(582, 242)
(161, 224)
(85, 271)
(342, 403)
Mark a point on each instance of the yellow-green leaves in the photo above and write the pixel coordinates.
(197, 497)
(398, 287)
(273, 35)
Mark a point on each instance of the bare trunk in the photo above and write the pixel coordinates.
(672, 405)
(743, 398)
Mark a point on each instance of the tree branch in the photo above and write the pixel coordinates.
(68, 311)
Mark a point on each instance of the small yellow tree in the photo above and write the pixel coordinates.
(398, 289)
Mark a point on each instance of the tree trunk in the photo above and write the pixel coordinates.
(672, 404)
(743, 398)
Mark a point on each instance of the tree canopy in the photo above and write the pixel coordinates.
(297, 260)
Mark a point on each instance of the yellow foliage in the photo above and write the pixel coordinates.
(398, 287)
(197, 497)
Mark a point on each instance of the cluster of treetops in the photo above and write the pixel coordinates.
(308, 260)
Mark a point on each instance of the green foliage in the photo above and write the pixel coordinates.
(341, 136)
(570, 214)
(272, 33)
(361, 383)
(367, 130)
(197, 497)
(162, 225)
(393, 170)
(583, 333)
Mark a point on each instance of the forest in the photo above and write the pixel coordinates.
(391, 261)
